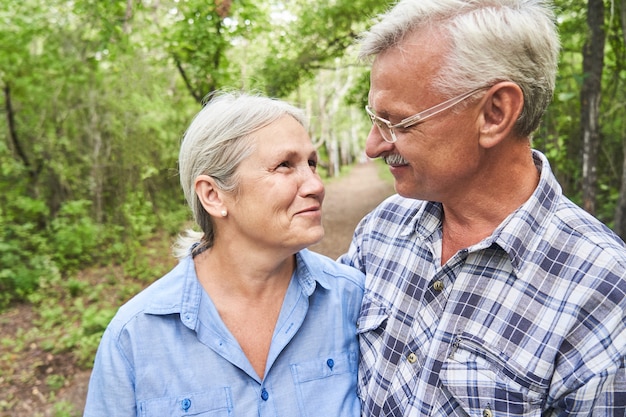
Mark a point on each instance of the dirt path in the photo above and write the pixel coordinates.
(347, 200)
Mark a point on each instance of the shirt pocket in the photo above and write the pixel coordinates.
(371, 326)
(216, 402)
(326, 386)
(487, 382)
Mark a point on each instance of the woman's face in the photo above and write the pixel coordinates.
(278, 205)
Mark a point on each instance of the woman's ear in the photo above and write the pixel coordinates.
(209, 194)
(502, 106)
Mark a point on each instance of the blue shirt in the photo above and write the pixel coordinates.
(528, 322)
(168, 353)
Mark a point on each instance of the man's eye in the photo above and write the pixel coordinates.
(313, 163)
(284, 164)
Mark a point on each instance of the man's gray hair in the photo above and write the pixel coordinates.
(490, 41)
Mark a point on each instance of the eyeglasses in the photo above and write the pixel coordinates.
(387, 130)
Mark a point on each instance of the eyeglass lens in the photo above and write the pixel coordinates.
(385, 131)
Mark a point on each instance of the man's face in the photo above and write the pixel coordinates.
(433, 160)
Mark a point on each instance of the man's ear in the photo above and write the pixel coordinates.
(209, 194)
(502, 106)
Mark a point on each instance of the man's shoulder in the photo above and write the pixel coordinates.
(572, 244)
(397, 207)
(578, 223)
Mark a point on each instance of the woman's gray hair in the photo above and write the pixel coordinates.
(491, 41)
(216, 142)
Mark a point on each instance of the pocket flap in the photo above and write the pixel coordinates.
(372, 316)
(480, 376)
(214, 402)
(325, 366)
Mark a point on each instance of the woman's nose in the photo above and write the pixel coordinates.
(312, 183)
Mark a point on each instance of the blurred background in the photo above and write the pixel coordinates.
(96, 95)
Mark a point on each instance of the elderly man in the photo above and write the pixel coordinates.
(488, 292)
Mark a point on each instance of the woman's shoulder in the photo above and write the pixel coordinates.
(326, 267)
(163, 294)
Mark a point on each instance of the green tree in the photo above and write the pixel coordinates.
(589, 103)
(199, 35)
(590, 95)
(91, 116)
(310, 36)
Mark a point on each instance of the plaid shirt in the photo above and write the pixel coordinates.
(528, 322)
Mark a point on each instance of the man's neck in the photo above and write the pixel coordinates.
(484, 206)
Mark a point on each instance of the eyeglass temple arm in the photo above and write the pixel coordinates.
(435, 110)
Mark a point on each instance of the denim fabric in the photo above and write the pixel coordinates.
(167, 352)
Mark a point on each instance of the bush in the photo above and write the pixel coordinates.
(24, 254)
(75, 236)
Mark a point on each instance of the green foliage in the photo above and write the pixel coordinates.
(23, 250)
(55, 382)
(87, 337)
(560, 135)
(97, 96)
(65, 409)
(317, 33)
(91, 138)
(357, 95)
(75, 236)
(200, 36)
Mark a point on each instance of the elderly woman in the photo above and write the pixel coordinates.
(249, 323)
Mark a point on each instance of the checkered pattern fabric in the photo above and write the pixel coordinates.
(528, 322)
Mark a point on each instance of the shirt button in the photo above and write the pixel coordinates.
(487, 413)
(330, 363)
(185, 404)
(412, 357)
(438, 285)
(264, 394)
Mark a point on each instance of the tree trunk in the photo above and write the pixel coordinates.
(128, 16)
(97, 174)
(593, 63)
(619, 224)
(14, 142)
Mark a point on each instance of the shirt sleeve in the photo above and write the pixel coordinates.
(602, 395)
(111, 387)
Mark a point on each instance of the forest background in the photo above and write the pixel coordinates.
(96, 96)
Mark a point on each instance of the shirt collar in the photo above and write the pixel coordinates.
(308, 273)
(519, 234)
(424, 221)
